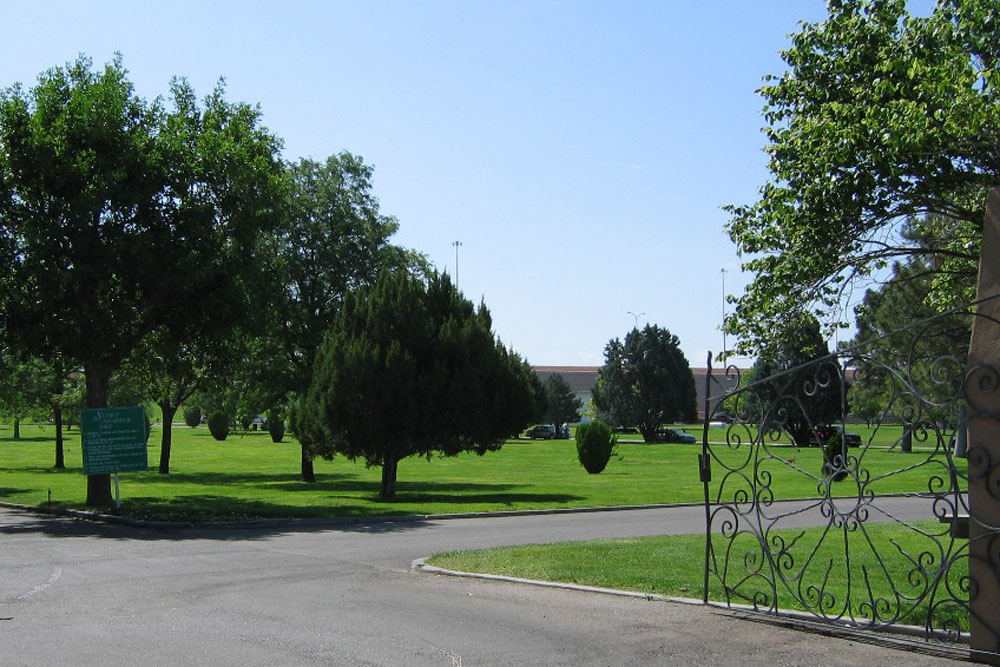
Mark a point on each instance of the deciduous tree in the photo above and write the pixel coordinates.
(881, 117)
(120, 216)
(333, 240)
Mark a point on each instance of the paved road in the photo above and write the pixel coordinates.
(78, 593)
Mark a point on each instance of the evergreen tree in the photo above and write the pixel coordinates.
(792, 389)
(409, 368)
(563, 405)
(645, 382)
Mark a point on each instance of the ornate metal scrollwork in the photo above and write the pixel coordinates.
(867, 534)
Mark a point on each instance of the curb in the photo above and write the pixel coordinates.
(904, 637)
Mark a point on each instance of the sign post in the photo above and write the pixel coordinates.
(114, 441)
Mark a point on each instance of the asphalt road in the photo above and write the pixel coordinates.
(81, 593)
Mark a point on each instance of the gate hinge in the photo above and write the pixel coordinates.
(705, 468)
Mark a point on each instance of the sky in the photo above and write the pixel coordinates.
(580, 152)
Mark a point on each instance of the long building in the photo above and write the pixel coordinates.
(581, 380)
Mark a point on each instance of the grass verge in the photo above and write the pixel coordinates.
(248, 476)
(674, 566)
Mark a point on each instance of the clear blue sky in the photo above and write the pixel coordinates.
(580, 151)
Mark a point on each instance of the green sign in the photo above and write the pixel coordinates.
(114, 440)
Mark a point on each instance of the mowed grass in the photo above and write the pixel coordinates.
(248, 476)
(674, 566)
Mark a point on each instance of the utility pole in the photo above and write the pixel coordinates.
(724, 349)
(457, 244)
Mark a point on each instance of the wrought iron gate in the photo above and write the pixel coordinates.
(867, 532)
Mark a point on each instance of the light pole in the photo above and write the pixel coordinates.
(723, 272)
(457, 244)
(636, 318)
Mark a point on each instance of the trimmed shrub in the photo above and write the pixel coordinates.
(245, 422)
(218, 425)
(192, 416)
(276, 427)
(595, 443)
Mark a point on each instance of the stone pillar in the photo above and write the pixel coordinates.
(983, 392)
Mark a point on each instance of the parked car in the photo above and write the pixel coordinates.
(675, 435)
(821, 436)
(541, 432)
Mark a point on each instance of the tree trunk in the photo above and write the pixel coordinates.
(168, 411)
(389, 476)
(308, 474)
(97, 375)
(17, 428)
(60, 458)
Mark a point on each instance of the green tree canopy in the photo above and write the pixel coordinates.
(880, 117)
(796, 386)
(410, 367)
(333, 239)
(119, 216)
(904, 345)
(563, 407)
(645, 382)
(25, 384)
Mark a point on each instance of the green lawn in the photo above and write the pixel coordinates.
(673, 565)
(249, 476)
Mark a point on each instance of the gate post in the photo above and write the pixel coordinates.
(983, 393)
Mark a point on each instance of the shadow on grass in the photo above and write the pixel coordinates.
(283, 481)
(350, 487)
(43, 469)
(9, 440)
(58, 526)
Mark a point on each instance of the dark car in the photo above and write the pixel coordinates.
(675, 435)
(542, 432)
(823, 436)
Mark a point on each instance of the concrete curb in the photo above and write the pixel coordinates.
(421, 565)
(908, 637)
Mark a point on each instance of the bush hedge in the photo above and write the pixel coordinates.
(218, 425)
(595, 443)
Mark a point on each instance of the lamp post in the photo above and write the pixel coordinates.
(636, 318)
(457, 244)
(724, 349)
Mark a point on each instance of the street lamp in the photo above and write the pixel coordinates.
(636, 318)
(457, 244)
(723, 272)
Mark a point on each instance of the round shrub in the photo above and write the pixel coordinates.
(192, 416)
(276, 427)
(595, 443)
(218, 426)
